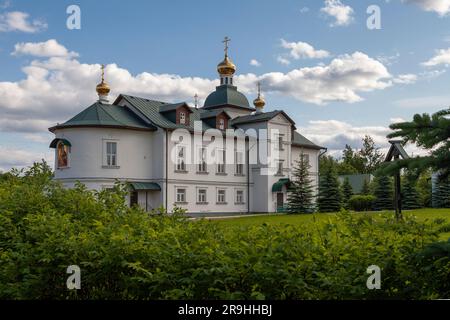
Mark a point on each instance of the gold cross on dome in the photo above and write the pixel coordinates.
(226, 40)
(259, 88)
(103, 72)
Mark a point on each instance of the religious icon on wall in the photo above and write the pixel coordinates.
(63, 154)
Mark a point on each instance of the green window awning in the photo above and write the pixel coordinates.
(54, 143)
(278, 186)
(145, 186)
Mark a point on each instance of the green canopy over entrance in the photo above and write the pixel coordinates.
(278, 186)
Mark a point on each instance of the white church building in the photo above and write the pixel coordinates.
(172, 154)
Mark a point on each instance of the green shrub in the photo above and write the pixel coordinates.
(362, 203)
(126, 253)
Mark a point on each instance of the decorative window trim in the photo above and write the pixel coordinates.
(224, 196)
(180, 201)
(236, 198)
(105, 164)
(183, 167)
(199, 201)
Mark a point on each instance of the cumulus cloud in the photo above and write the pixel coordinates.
(283, 61)
(49, 48)
(341, 13)
(442, 56)
(18, 158)
(58, 87)
(299, 50)
(255, 63)
(19, 21)
(406, 79)
(441, 7)
(334, 135)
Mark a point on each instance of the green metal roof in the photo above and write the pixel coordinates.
(145, 186)
(55, 141)
(259, 117)
(151, 110)
(206, 114)
(278, 186)
(171, 107)
(301, 141)
(227, 95)
(107, 115)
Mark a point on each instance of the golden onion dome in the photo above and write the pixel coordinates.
(226, 67)
(103, 89)
(259, 102)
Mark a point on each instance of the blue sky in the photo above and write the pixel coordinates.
(342, 80)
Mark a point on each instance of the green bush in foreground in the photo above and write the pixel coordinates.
(361, 203)
(126, 253)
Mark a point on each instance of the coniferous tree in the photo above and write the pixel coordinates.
(347, 193)
(441, 194)
(410, 195)
(301, 192)
(329, 192)
(384, 194)
(365, 190)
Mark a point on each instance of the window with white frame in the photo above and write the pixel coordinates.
(202, 167)
(220, 161)
(182, 117)
(239, 196)
(221, 123)
(180, 195)
(305, 158)
(239, 158)
(221, 196)
(111, 153)
(201, 195)
(280, 142)
(181, 158)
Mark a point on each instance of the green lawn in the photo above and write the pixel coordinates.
(305, 219)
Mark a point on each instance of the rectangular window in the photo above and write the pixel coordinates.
(239, 162)
(181, 195)
(182, 117)
(280, 142)
(202, 160)
(221, 196)
(239, 196)
(221, 161)
(111, 154)
(305, 158)
(181, 158)
(201, 196)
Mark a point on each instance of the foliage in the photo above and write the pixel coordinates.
(410, 195)
(384, 193)
(329, 199)
(347, 193)
(365, 190)
(424, 188)
(370, 155)
(301, 193)
(430, 132)
(361, 202)
(126, 253)
(441, 193)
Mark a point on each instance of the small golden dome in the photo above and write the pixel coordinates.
(259, 102)
(226, 67)
(103, 89)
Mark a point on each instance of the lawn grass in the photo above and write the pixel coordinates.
(307, 219)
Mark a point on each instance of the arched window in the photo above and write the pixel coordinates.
(62, 153)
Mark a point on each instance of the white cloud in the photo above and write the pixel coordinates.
(299, 50)
(19, 21)
(56, 88)
(304, 10)
(17, 158)
(441, 7)
(49, 48)
(442, 57)
(405, 79)
(255, 63)
(283, 60)
(334, 135)
(342, 14)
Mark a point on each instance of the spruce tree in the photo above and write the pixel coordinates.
(441, 194)
(410, 195)
(365, 190)
(347, 193)
(329, 192)
(384, 194)
(301, 192)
